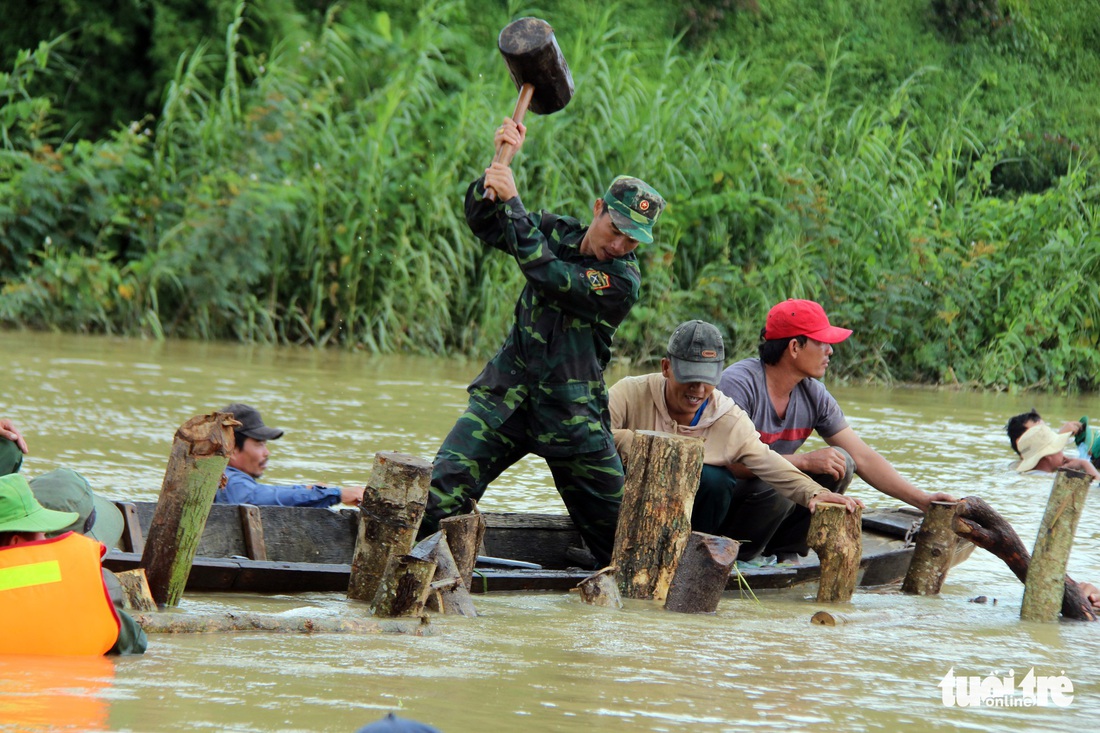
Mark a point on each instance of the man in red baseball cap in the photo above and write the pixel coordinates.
(782, 393)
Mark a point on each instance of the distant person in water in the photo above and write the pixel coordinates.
(249, 459)
(1042, 449)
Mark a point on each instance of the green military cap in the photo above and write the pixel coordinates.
(634, 207)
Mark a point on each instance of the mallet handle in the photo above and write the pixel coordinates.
(506, 151)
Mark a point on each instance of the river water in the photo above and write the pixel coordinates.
(532, 662)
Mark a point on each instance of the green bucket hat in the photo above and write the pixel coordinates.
(634, 207)
(65, 490)
(21, 512)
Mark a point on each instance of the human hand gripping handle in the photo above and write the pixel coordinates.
(509, 137)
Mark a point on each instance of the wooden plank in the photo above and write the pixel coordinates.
(321, 536)
(252, 529)
(133, 539)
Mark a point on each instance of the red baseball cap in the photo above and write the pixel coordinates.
(802, 318)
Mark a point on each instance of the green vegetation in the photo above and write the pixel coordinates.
(926, 168)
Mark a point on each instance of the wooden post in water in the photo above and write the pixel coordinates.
(702, 574)
(135, 590)
(389, 515)
(449, 593)
(601, 589)
(1044, 588)
(200, 453)
(935, 548)
(404, 587)
(662, 476)
(825, 618)
(980, 523)
(464, 534)
(836, 538)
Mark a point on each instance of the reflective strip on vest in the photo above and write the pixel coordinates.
(53, 599)
(38, 573)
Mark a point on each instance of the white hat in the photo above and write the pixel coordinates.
(1038, 442)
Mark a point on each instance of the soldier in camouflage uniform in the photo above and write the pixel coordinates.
(543, 392)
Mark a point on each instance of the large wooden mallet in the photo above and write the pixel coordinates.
(539, 71)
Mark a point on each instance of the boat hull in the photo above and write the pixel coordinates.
(310, 550)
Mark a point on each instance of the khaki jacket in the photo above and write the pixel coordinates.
(638, 403)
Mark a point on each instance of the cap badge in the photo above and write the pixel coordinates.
(643, 205)
(708, 353)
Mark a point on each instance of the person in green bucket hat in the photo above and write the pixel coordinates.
(44, 580)
(63, 490)
(65, 493)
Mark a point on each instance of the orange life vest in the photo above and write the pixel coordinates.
(53, 599)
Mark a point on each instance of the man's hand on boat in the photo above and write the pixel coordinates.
(352, 495)
(849, 502)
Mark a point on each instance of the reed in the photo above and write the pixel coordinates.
(311, 193)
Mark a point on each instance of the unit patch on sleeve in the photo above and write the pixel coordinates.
(598, 280)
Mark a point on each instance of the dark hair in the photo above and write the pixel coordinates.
(238, 439)
(7, 537)
(771, 350)
(1017, 426)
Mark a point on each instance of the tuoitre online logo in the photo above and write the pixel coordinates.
(1004, 691)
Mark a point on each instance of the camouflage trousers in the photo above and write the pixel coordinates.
(473, 455)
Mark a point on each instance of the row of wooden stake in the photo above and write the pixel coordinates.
(656, 556)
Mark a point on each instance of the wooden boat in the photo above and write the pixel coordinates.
(275, 549)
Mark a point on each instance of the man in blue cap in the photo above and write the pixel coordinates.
(544, 392)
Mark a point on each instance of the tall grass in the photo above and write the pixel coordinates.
(312, 193)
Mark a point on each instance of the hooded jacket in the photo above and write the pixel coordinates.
(638, 403)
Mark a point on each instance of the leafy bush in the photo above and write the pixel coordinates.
(311, 191)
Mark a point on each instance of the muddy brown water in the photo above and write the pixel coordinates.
(533, 662)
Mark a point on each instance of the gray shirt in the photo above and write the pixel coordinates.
(811, 407)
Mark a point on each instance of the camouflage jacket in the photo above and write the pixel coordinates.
(552, 362)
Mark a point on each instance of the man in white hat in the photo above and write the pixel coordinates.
(1042, 449)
